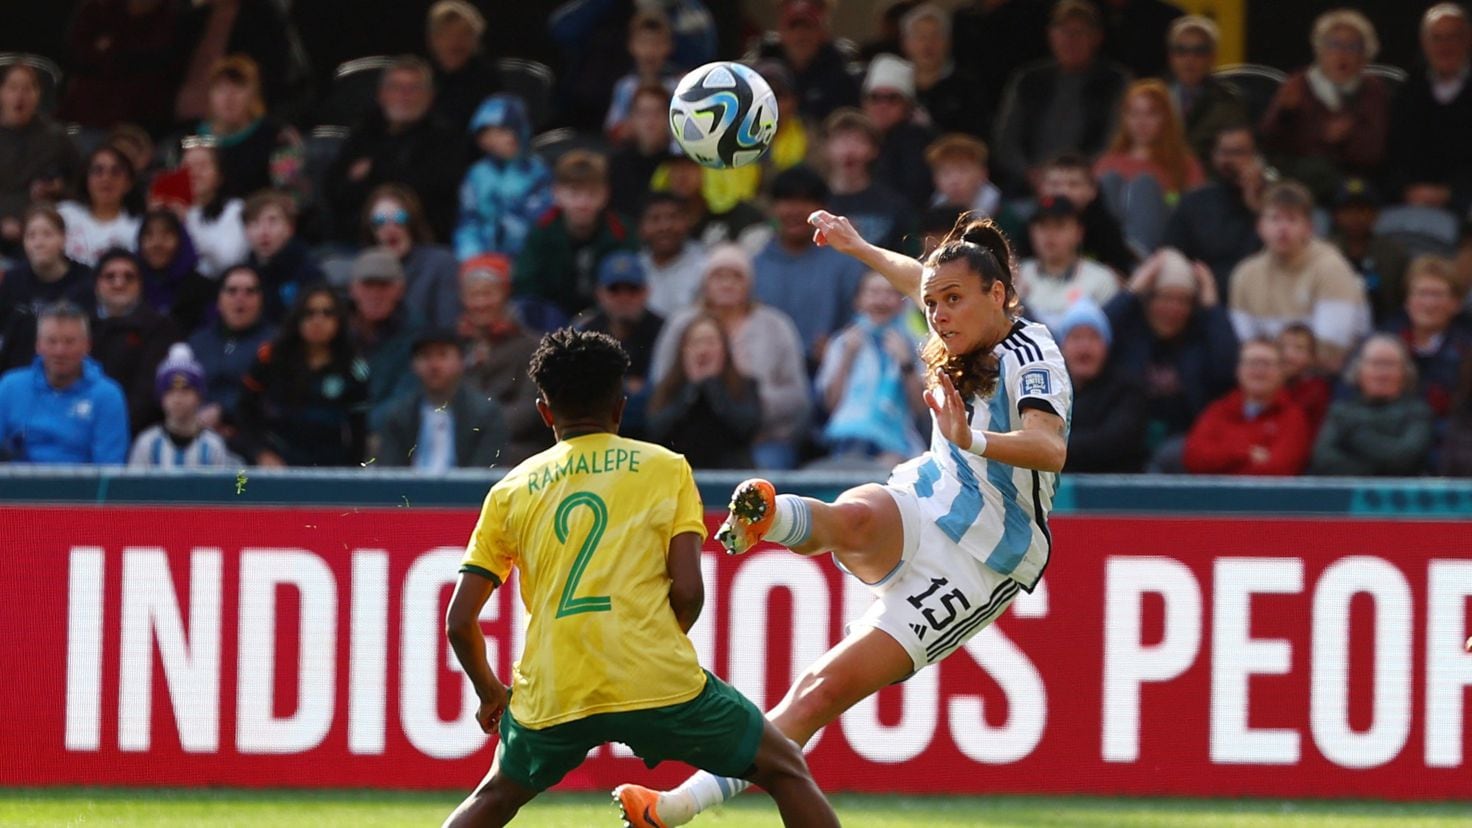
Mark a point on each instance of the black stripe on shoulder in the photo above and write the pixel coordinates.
(1027, 340)
(472, 569)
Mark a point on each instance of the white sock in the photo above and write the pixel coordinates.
(700, 792)
(794, 522)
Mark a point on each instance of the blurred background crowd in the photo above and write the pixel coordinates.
(330, 234)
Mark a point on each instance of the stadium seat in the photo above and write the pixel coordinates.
(319, 150)
(353, 92)
(532, 81)
(1419, 229)
(550, 145)
(1257, 83)
(1393, 77)
(45, 67)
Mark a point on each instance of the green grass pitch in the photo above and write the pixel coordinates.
(135, 807)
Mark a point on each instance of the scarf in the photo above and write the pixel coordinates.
(1332, 95)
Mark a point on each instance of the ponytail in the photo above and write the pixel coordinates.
(984, 247)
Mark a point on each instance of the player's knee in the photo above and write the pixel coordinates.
(856, 524)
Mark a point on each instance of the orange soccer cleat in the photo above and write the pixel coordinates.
(753, 509)
(639, 805)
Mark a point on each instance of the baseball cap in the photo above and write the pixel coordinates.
(437, 336)
(377, 264)
(620, 268)
(1354, 190)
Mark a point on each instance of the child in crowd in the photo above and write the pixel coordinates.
(650, 45)
(181, 440)
(276, 253)
(1303, 382)
(505, 192)
(1058, 274)
(958, 169)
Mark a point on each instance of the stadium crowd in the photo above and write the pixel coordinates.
(207, 261)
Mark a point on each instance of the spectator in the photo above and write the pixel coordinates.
(214, 221)
(1456, 448)
(125, 63)
(104, 218)
(1438, 336)
(1380, 261)
(1331, 118)
(889, 104)
(1110, 411)
(1066, 103)
(705, 408)
(32, 146)
(182, 440)
(811, 285)
(129, 337)
(304, 400)
(1134, 31)
(227, 348)
(45, 276)
(871, 382)
(958, 171)
(508, 189)
(171, 283)
(886, 38)
(1217, 224)
(446, 424)
(1000, 36)
(631, 169)
(137, 146)
(394, 220)
(1309, 388)
(1429, 158)
(381, 331)
(62, 408)
(1148, 165)
(1171, 330)
(1298, 278)
(1256, 429)
(623, 313)
(1058, 274)
(1384, 427)
(1206, 104)
(463, 76)
(764, 346)
(738, 221)
(399, 142)
(255, 151)
(851, 149)
(650, 45)
(276, 252)
(498, 349)
(819, 70)
(559, 264)
(1070, 176)
(673, 263)
(949, 95)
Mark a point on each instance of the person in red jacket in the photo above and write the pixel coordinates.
(1255, 429)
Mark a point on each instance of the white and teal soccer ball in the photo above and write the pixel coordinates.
(724, 115)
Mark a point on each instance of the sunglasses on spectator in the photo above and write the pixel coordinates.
(118, 275)
(399, 217)
(1200, 50)
(322, 312)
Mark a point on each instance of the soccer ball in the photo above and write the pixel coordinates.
(723, 114)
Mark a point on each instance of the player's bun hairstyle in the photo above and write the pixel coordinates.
(579, 373)
(982, 245)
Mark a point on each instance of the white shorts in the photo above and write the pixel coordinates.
(938, 596)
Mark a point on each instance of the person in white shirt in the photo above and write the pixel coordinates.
(103, 219)
(674, 263)
(953, 536)
(1059, 274)
(214, 221)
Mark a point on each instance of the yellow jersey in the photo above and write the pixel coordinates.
(588, 524)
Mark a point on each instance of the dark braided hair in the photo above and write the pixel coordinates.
(580, 373)
(982, 245)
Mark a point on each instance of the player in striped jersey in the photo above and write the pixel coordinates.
(953, 536)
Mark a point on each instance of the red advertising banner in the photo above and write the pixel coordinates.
(305, 648)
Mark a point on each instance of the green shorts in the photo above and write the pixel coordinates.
(717, 731)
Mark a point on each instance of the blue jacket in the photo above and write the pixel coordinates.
(86, 422)
(500, 199)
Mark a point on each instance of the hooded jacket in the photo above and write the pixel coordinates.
(86, 422)
(501, 199)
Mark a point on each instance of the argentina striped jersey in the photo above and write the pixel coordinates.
(995, 512)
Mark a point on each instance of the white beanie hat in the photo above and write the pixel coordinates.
(889, 72)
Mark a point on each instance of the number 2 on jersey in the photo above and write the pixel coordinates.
(569, 605)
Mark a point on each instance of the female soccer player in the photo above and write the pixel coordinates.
(946, 544)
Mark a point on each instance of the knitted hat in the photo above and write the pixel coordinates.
(494, 265)
(1085, 312)
(729, 255)
(889, 72)
(179, 370)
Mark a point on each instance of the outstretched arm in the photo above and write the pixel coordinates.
(836, 232)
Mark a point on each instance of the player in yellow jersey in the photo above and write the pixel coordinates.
(606, 533)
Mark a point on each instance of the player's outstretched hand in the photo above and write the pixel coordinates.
(488, 715)
(836, 232)
(950, 412)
